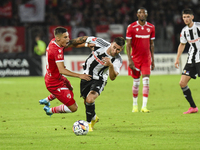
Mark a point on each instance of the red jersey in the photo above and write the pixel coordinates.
(141, 36)
(54, 53)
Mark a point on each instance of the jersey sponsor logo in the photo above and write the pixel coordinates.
(193, 41)
(97, 59)
(142, 36)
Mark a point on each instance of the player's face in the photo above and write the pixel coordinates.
(115, 49)
(142, 15)
(187, 18)
(64, 39)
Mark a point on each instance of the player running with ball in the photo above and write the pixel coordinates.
(104, 61)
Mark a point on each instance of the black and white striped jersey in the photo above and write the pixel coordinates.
(192, 36)
(94, 65)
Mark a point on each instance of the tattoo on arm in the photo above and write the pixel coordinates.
(77, 41)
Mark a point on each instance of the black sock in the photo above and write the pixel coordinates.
(90, 111)
(188, 96)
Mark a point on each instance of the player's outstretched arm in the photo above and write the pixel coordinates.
(181, 48)
(77, 41)
(67, 72)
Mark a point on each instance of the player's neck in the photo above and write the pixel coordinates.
(58, 43)
(191, 24)
(142, 22)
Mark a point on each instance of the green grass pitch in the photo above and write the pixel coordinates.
(25, 126)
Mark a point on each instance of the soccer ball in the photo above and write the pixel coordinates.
(80, 127)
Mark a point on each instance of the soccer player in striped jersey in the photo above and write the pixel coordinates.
(140, 35)
(191, 34)
(104, 61)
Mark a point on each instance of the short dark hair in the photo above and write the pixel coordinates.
(187, 11)
(142, 8)
(120, 41)
(59, 30)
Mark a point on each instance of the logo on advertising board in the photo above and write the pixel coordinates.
(25, 66)
(12, 39)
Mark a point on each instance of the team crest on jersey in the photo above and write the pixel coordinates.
(94, 39)
(69, 96)
(60, 56)
(60, 50)
(137, 29)
(148, 30)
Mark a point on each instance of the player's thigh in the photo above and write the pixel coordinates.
(190, 70)
(64, 95)
(85, 88)
(197, 66)
(135, 73)
(146, 68)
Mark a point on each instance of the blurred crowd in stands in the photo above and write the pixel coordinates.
(164, 14)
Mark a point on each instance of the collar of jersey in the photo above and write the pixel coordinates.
(56, 44)
(140, 24)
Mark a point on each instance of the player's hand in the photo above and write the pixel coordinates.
(176, 64)
(91, 46)
(131, 65)
(152, 66)
(85, 77)
(106, 61)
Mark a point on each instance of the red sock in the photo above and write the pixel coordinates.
(135, 91)
(60, 109)
(146, 91)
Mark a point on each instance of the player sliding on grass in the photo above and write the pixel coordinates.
(56, 83)
(191, 34)
(103, 61)
(140, 36)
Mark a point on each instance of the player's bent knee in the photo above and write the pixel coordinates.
(182, 84)
(74, 109)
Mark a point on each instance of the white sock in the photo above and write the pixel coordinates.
(144, 104)
(93, 118)
(67, 110)
(135, 101)
(47, 99)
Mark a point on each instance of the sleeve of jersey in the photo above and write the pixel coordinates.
(59, 57)
(153, 33)
(128, 32)
(182, 37)
(99, 42)
(117, 64)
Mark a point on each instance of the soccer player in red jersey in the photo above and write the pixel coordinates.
(140, 35)
(56, 83)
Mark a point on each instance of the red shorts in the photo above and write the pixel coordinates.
(61, 91)
(143, 68)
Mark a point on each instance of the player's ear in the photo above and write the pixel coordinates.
(57, 38)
